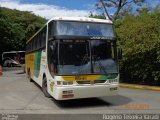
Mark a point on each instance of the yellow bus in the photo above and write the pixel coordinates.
(74, 57)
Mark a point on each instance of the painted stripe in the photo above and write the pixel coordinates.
(140, 87)
(90, 77)
(37, 63)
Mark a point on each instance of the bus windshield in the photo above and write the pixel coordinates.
(84, 29)
(86, 57)
(74, 57)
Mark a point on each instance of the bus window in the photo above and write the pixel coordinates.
(43, 39)
(52, 57)
(51, 30)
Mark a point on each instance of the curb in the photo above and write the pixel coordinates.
(139, 87)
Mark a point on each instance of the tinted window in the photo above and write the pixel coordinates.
(84, 29)
(51, 30)
(53, 57)
(43, 40)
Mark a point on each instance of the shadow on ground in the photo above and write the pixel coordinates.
(20, 72)
(94, 102)
(117, 100)
(87, 102)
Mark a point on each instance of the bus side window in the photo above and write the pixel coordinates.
(43, 38)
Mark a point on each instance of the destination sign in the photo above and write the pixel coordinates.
(102, 38)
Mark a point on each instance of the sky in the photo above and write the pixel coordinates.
(53, 8)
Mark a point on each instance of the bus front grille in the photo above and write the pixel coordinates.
(91, 81)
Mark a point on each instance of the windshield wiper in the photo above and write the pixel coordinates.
(85, 57)
(100, 65)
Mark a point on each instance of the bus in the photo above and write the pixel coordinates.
(13, 58)
(74, 57)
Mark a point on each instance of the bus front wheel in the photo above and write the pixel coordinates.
(44, 88)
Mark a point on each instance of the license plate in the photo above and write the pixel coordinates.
(114, 88)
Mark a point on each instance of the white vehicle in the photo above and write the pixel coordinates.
(74, 58)
(13, 58)
(8, 62)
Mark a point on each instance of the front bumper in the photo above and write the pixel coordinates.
(85, 91)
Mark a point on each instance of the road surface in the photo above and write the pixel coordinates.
(18, 95)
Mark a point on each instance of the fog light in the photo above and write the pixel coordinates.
(112, 80)
(114, 88)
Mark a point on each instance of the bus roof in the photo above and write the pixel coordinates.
(81, 19)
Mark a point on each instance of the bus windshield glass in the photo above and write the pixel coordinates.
(74, 57)
(86, 57)
(84, 29)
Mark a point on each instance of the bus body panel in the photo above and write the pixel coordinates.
(36, 64)
(29, 66)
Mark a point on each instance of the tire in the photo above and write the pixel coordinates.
(44, 88)
(29, 76)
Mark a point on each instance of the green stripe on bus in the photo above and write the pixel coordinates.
(109, 76)
(37, 63)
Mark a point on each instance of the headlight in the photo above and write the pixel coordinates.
(64, 82)
(113, 80)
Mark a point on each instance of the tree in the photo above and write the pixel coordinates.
(118, 5)
(139, 36)
(16, 27)
(100, 16)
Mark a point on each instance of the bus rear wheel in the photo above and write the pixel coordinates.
(44, 88)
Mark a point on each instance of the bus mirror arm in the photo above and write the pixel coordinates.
(50, 39)
(119, 53)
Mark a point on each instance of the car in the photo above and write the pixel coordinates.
(8, 62)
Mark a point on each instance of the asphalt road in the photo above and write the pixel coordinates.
(18, 95)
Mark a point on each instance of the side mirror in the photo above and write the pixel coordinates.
(119, 53)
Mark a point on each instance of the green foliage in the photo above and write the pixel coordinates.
(119, 6)
(139, 36)
(100, 16)
(16, 27)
